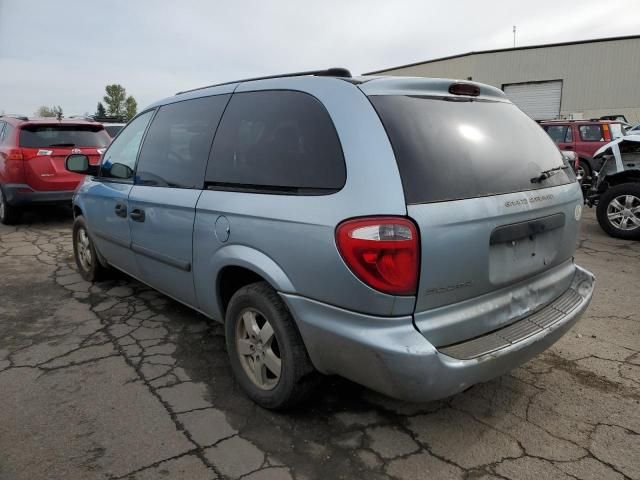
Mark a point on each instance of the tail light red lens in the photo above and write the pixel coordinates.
(383, 252)
(15, 154)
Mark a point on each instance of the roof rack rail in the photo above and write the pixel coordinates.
(15, 115)
(329, 72)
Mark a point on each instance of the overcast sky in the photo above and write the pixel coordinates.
(63, 52)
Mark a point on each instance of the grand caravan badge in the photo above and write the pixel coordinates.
(529, 201)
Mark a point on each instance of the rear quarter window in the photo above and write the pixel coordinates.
(60, 135)
(450, 150)
(591, 133)
(277, 141)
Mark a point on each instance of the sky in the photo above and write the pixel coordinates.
(64, 52)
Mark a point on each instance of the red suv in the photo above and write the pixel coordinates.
(32, 155)
(583, 137)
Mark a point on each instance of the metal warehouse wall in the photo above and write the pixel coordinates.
(599, 78)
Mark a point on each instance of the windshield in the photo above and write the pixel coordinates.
(449, 150)
(57, 135)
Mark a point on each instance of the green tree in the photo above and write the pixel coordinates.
(118, 104)
(131, 108)
(45, 111)
(100, 111)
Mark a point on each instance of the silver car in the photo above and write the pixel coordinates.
(413, 235)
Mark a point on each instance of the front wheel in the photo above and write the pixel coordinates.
(85, 254)
(267, 355)
(619, 211)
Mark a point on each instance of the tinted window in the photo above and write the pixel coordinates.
(6, 134)
(2, 124)
(177, 145)
(113, 130)
(559, 133)
(453, 150)
(119, 160)
(591, 133)
(60, 135)
(277, 140)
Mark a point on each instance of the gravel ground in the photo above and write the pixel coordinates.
(114, 380)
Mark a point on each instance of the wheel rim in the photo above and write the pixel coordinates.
(84, 249)
(258, 349)
(623, 212)
(580, 173)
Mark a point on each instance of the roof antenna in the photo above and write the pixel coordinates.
(514, 36)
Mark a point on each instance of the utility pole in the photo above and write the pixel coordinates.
(514, 36)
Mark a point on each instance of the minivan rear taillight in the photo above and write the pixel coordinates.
(383, 252)
(606, 133)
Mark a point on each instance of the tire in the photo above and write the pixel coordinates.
(618, 203)
(259, 305)
(584, 169)
(9, 215)
(84, 252)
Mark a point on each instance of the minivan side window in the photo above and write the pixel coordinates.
(6, 133)
(176, 147)
(276, 142)
(119, 160)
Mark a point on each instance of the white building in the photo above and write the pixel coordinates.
(583, 79)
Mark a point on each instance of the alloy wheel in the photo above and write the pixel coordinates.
(623, 212)
(84, 249)
(258, 349)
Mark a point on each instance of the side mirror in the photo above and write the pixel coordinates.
(77, 163)
(119, 170)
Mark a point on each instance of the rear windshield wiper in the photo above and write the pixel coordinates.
(62, 145)
(548, 173)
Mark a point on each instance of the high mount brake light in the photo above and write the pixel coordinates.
(464, 89)
(382, 252)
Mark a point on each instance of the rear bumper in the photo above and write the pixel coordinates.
(22, 194)
(390, 356)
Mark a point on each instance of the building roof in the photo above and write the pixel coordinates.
(527, 47)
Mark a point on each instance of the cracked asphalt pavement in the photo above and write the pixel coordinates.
(115, 380)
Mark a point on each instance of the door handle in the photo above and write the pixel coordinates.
(567, 148)
(121, 210)
(137, 215)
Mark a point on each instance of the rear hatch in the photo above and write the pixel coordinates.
(497, 234)
(46, 145)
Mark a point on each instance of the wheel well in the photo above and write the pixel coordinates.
(230, 280)
(77, 211)
(623, 177)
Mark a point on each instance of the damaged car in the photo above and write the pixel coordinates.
(615, 191)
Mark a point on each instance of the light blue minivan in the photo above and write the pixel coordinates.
(413, 235)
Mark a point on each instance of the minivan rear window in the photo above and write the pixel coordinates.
(38, 136)
(452, 150)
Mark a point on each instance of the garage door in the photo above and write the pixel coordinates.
(539, 100)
